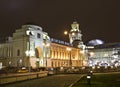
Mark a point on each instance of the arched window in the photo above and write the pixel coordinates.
(36, 53)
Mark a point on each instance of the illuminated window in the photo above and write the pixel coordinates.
(56, 54)
(60, 54)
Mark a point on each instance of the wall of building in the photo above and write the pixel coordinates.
(104, 57)
(6, 53)
(60, 56)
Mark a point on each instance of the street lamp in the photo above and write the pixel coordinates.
(70, 61)
(65, 32)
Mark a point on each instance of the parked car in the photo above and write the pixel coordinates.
(51, 71)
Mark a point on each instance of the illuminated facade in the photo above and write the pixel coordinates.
(105, 55)
(62, 55)
(30, 46)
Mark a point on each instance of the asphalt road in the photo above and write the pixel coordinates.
(63, 80)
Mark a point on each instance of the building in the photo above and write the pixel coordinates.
(30, 46)
(63, 55)
(105, 55)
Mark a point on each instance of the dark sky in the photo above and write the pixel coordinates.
(98, 19)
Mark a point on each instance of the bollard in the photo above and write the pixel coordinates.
(88, 79)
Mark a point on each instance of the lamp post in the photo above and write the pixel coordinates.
(70, 61)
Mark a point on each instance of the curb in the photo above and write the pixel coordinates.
(75, 81)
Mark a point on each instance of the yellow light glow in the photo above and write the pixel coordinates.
(65, 32)
(68, 49)
(43, 44)
(73, 34)
(111, 66)
(91, 53)
(85, 63)
(98, 67)
(30, 53)
(33, 62)
(27, 53)
(82, 52)
(93, 67)
(47, 45)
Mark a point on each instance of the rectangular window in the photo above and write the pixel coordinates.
(38, 35)
(18, 52)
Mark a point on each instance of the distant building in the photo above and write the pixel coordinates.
(95, 42)
(105, 55)
(31, 46)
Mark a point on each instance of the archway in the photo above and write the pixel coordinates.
(39, 56)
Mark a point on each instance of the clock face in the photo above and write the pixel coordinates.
(74, 26)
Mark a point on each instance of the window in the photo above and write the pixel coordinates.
(30, 33)
(38, 35)
(38, 28)
(18, 52)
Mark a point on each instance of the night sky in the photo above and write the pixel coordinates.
(98, 19)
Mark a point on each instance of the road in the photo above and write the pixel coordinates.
(63, 80)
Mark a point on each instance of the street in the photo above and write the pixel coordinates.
(63, 80)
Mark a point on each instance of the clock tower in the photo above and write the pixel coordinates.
(75, 35)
